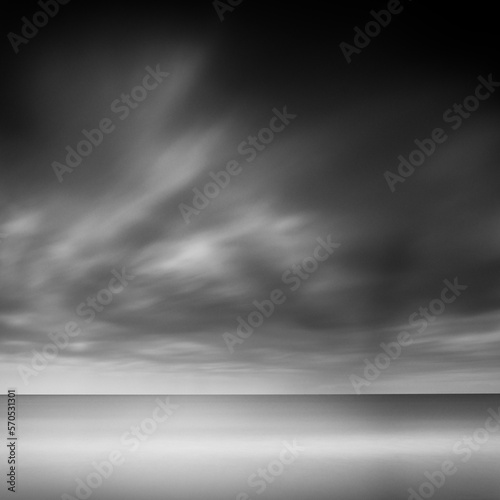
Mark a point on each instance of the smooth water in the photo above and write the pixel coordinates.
(248, 447)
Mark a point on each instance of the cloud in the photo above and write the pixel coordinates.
(322, 175)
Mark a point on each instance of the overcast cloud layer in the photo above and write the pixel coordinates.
(321, 176)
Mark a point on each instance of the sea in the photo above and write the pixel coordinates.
(234, 447)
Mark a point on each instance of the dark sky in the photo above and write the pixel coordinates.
(322, 175)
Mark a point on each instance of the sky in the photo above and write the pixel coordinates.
(313, 192)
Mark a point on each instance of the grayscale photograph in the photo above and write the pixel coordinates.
(249, 250)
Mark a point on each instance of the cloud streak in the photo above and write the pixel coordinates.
(323, 175)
